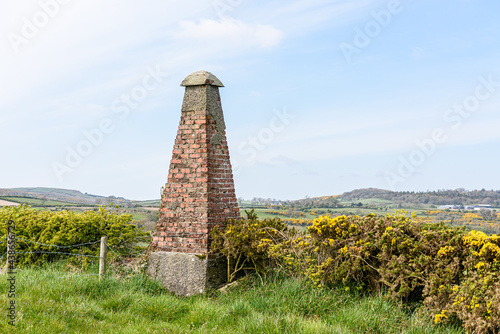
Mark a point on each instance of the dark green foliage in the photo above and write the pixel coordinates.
(67, 228)
(239, 241)
(454, 273)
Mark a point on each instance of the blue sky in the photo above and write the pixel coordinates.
(320, 97)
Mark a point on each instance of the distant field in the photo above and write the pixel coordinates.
(375, 201)
(38, 202)
(49, 190)
(7, 203)
(140, 215)
(261, 212)
(155, 202)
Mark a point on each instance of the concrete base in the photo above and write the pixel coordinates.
(185, 274)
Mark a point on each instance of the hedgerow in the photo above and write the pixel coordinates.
(240, 242)
(66, 228)
(476, 299)
(454, 273)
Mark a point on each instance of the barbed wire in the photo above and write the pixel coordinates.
(63, 253)
(119, 257)
(77, 245)
(112, 267)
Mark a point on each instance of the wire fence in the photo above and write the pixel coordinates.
(42, 244)
(81, 245)
(2, 240)
(119, 258)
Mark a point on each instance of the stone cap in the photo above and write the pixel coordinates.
(201, 78)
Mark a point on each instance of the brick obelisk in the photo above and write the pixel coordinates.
(199, 193)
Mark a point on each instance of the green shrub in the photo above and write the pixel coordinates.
(241, 242)
(66, 228)
(388, 252)
(454, 273)
(476, 298)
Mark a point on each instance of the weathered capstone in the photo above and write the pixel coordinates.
(198, 195)
(201, 78)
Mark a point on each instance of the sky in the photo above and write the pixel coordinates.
(321, 97)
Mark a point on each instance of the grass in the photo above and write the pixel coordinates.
(150, 203)
(262, 214)
(47, 303)
(139, 215)
(38, 202)
(377, 201)
(41, 190)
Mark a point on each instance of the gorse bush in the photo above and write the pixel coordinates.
(240, 241)
(454, 273)
(476, 299)
(391, 252)
(66, 228)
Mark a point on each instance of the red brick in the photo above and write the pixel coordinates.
(199, 193)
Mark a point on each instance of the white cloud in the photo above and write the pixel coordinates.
(302, 16)
(418, 53)
(305, 141)
(87, 44)
(231, 32)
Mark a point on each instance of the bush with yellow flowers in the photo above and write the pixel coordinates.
(245, 243)
(454, 273)
(475, 300)
(388, 252)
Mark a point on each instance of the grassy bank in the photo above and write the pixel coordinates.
(47, 303)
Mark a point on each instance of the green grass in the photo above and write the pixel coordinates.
(35, 202)
(47, 303)
(261, 213)
(42, 190)
(377, 201)
(150, 203)
(139, 215)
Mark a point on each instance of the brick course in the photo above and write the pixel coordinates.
(199, 193)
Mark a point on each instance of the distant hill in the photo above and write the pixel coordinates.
(380, 197)
(62, 195)
(439, 197)
(409, 199)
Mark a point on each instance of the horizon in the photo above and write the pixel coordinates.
(250, 198)
(321, 96)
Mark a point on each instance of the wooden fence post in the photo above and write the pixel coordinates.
(102, 260)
